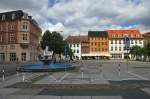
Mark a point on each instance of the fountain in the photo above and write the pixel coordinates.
(48, 65)
(46, 59)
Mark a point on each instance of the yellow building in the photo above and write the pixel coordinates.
(98, 44)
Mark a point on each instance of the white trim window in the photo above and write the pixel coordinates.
(3, 17)
(13, 16)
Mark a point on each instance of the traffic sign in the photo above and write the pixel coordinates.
(127, 43)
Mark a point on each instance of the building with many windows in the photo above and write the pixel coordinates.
(146, 37)
(79, 45)
(75, 45)
(116, 42)
(19, 37)
(98, 44)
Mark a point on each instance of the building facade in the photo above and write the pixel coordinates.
(116, 42)
(98, 44)
(146, 37)
(19, 37)
(75, 45)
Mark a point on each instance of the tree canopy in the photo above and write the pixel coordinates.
(56, 44)
(137, 51)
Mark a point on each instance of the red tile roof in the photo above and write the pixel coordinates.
(77, 39)
(121, 33)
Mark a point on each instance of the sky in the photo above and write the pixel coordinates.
(74, 17)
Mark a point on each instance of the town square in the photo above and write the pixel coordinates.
(67, 49)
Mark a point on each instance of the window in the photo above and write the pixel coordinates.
(95, 49)
(70, 45)
(77, 45)
(2, 47)
(1, 27)
(95, 43)
(102, 43)
(119, 41)
(23, 56)
(115, 41)
(105, 49)
(1, 38)
(111, 48)
(13, 16)
(115, 48)
(25, 36)
(98, 43)
(119, 48)
(135, 41)
(24, 26)
(12, 37)
(105, 43)
(113, 35)
(140, 42)
(132, 35)
(119, 35)
(3, 17)
(102, 49)
(131, 41)
(111, 42)
(92, 43)
(2, 57)
(74, 45)
(25, 16)
(125, 35)
(77, 51)
(12, 46)
(137, 35)
(12, 57)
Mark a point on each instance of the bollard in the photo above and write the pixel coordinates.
(3, 74)
(101, 72)
(119, 70)
(17, 74)
(23, 77)
(82, 73)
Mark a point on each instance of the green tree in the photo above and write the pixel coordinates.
(136, 52)
(147, 48)
(67, 50)
(46, 40)
(55, 43)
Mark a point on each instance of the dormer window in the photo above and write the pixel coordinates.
(3, 17)
(125, 35)
(13, 16)
(25, 16)
(114, 35)
(132, 35)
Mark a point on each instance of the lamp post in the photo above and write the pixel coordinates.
(65, 57)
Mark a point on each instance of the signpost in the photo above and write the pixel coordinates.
(127, 48)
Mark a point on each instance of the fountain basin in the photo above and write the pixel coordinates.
(45, 68)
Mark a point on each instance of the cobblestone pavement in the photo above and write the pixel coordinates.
(120, 82)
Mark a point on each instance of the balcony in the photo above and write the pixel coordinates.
(24, 45)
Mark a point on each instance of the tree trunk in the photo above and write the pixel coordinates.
(59, 57)
(53, 58)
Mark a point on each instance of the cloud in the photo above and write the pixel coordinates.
(79, 16)
(83, 15)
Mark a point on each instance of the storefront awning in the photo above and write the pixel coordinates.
(97, 54)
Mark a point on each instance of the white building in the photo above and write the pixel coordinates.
(75, 45)
(116, 42)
